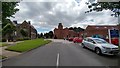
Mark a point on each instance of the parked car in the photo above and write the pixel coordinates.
(114, 41)
(71, 39)
(77, 40)
(100, 46)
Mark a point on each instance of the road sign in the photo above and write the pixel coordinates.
(114, 33)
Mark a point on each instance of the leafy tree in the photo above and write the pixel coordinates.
(100, 6)
(76, 29)
(71, 28)
(51, 34)
(46, 35)
(40, 35)
(8, 30)
(80, 29)
(8, 10)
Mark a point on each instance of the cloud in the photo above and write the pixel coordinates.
(45, 16)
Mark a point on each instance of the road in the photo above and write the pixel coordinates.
(61, 53)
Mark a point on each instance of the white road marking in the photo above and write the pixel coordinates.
(58, 56)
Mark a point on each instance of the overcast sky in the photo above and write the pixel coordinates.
(45, 15)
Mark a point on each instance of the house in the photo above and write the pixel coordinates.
(30, 31)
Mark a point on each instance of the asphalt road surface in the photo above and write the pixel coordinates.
(61, 53)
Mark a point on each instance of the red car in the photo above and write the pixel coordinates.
(114, 41)
(71, 39)
(77, 40)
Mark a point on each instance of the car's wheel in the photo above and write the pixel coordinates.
(83, 45)
(98, 51)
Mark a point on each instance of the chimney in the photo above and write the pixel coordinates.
(29, 22)
(15, 22)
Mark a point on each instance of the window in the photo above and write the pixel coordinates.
(100, 41)
(86, 39)
(105, 27)
(90, 40)
(97, 27)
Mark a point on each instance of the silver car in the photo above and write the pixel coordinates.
(100, 46)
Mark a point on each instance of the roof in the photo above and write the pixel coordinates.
(29, 24)
(102, 27)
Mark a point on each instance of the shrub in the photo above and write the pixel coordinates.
(3, 40)
(26, 38)
(20, 39)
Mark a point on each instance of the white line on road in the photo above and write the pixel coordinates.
(58, 56)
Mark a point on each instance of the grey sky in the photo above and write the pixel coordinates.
(45, 16)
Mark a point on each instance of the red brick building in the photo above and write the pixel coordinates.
(101, 30)
(91, 30)
(61, 33)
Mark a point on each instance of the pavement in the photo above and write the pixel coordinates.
(61, 53)
(7, 53)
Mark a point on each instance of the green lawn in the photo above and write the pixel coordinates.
(3, 44)
(28, 45)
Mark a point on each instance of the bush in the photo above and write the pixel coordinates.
(26, 38)
(20, 39)
(3, 40)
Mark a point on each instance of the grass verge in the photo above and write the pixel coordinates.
(28, 45)
(3, 44)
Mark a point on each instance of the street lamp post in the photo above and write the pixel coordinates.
(118, 13)
(119, 28)
(15, 35)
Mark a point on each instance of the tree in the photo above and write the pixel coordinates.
(8, 31)
(71, 28)
(80, 29)
(46, 35)
(51, 34)
(8, 10)
(100, 6)
(76, 29)
(40, 35)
